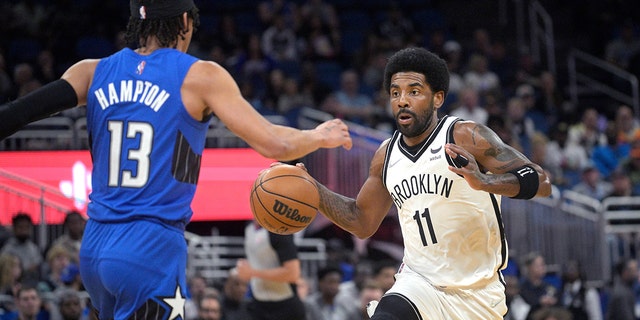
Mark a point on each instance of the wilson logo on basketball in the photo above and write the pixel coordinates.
(290, 213)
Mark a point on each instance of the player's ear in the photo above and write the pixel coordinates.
(438, 99)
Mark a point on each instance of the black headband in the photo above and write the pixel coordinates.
(159, 9)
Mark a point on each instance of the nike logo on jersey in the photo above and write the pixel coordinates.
(394, 163)
(494, 303)
(434, 151)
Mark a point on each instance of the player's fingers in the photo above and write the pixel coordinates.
(347, 145)
(302, 166)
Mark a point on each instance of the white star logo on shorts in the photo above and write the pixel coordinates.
(177, 304)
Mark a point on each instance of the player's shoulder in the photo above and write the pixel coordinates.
(206, 70)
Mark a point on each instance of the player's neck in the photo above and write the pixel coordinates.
(151, 45)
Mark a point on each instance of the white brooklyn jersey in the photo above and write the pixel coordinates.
(453, 235)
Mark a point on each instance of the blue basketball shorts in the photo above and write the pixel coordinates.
(134, 270)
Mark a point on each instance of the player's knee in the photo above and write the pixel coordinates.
(396, 307)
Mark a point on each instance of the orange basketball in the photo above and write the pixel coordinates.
(284, 199)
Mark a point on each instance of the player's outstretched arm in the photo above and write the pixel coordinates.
(48, 100)
(494, 166)
(361, 216)
(210, 88)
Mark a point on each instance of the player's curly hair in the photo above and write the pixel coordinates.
(165, 30)
(419, 60)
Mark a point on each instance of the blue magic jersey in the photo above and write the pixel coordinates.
(146, 148)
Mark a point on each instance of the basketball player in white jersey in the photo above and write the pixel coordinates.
(446, 176)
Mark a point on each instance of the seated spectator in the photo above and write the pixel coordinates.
(626, 123)
(592, 185)
(58, 259)
(631, 165)
(620, 49)
(22, 246)
(521, 125)
(518, 309)
(551, 100)
(29, 305)
(209, 307)
(348, 103)
(10, 274)
(292, 99)
(528, 96)
(622, 301)
(71, 239)
(581, 300)
(318, 40)
(535, 291)
(323, 9)
(384, 272)
(197, 287)
(621, 187)
(253, 65)
(351, 290)
(479, 76)
(71, 306)
(25, 80)
(279, 41)
(371, 291)
(587, 133)
(234, 298)
(322, 304)
(607, 158)
(396, 31)
(469, 107)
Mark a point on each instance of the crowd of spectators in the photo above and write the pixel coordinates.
(287, 55)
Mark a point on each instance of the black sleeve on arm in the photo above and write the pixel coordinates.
(48, 100)
(284, 245)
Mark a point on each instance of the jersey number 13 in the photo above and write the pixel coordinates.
(140, 154)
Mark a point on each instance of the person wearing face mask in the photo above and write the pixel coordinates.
(21, 244)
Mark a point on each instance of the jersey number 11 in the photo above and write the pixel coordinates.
(427, 218)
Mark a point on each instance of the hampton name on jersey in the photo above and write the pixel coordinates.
(145, 146)
(453, 234)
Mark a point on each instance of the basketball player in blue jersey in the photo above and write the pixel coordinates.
(446, 177)
(147, 113)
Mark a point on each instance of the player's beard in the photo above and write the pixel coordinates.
(420, 122)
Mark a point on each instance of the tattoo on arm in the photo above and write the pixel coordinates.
(496, 148)
(337, 207)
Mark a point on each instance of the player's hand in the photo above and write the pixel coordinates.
(336, 134)
(243, 268)
(468, 166)
(302, 166)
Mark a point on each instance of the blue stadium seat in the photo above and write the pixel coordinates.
(247, 22)
(427, 20)
(91, 47)
(23, 50)
(209, 23)
(355, 20)
(352, 41)
(328, 73)
(291, 69)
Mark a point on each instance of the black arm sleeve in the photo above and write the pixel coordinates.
(284, 246)
(48, 100)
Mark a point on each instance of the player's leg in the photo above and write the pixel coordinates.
(102, 301)
(144, 268)
(395, 306)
